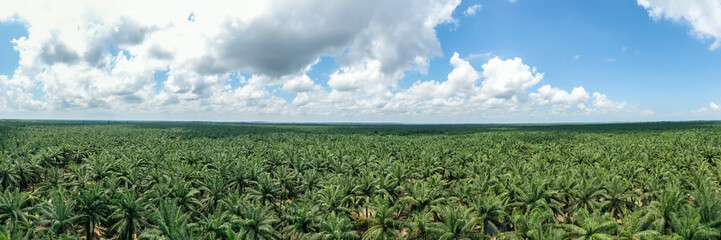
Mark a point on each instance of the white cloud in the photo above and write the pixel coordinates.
(507, 78)
(461, 81)
(432, 96)
(472, 10)
(576, 57)
(507, 81)
(711, 107)
(300, 84)
(367, 77)
(71, 47)
(101, 56)
(547, 94)
(13, 98)
(600, 101)
(704, 16)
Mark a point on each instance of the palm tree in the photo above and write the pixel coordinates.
(334, 227)
(708, 202)
(566, 184)
(240, 178)
(265, 190)
(310, 181)
(170, 221)
(429, 167)
(53, 156)
(185, 194)
(421, 196)
(419, 225)
(77, 177)
(389, 187)
(92, 207)
(489, 212)
(215, 225)
(15, 208)
(455, 223)
(333, 198)
(587, 196)
(532, 193)
(74, 153)
(52, 183)
(669, 201)
(616, 196)
(128, 215)
(112, 188)
(399, 171)
(300, 220)
(365, 189)
(127, 173)
(8, 175)
(637, 226)
(258, 222)
(233, 204)
(235, 236)
(214, 189)
(592, 226)
(534, 224)
(27, 170)
(287, 180)
(464, 191)
(383, 225)
(101, 166)
(255, 168)
(686, 224)
(58, 214)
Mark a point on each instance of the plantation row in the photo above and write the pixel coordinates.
(96, 180)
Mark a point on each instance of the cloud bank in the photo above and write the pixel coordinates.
(231, 59)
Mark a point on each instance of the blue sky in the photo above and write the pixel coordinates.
(662, 67)
(616, 60)
(9, 57)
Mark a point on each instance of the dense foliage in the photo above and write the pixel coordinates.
(151, 180)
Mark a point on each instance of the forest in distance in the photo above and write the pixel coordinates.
(204, 180)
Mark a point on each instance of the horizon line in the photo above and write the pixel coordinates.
(357, 123)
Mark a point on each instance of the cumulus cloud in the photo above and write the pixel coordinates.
(600, 101)
(461, 81)
(470, 11)
(102, 54)
(365, 76)
(300, 84)
(551, 95)
(507, 84)
(428, 96)
(704, 16)
(13, 98)
(224, 56)
(711, 107)
(601, 104)
(507, 78)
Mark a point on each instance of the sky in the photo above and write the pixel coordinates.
(408, 61)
